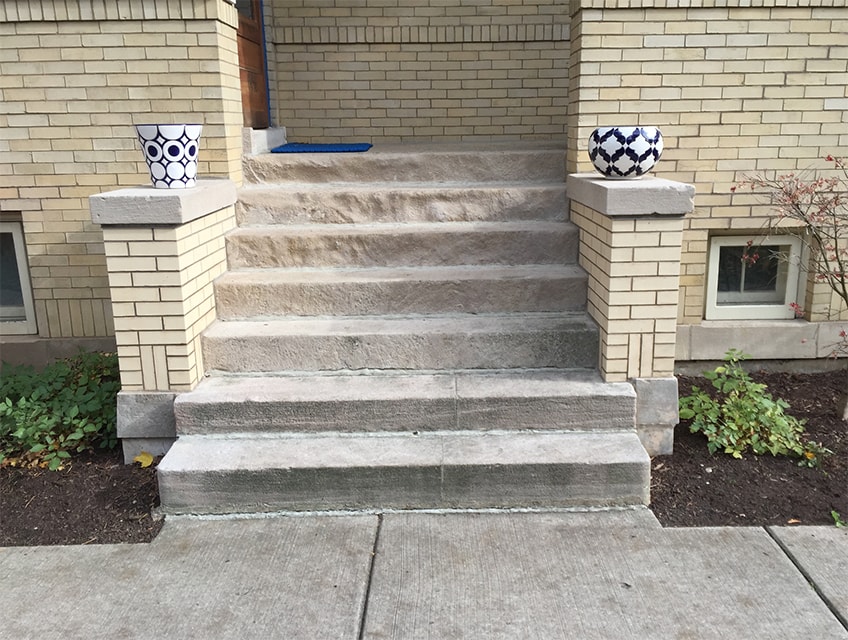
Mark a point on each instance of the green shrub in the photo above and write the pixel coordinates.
(68, 407)
(741, 414)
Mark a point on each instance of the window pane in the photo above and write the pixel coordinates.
(730, 269)
(245, 8)
(11, 293)
(762, 275)
(743, 283)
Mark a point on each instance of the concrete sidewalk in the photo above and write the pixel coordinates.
(416, 575)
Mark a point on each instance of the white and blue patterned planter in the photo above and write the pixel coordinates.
(625, 152)
(171, 153)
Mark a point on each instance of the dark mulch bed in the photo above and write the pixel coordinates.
(693, 488)
(95, 500)
(99, 500)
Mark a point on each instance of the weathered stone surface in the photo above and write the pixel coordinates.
(387, 401)
(146, 422)
(400, 290)
(148, 205)
(532, 161)
(657, 413)
(209, 474)
(303, 203)
(360, 403)
(424, 342)
(400, 245)
(543, 400)
(645, 195)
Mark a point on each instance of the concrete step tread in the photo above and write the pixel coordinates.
(297, 472)
(310, 451)
(345, 202)
(396, 228)
(403, 274)
(401, 325)
(375, 401)
(538, 161)
(443, 342)
(250, 189)
(270, 292)
(385, 385)
(402, 244)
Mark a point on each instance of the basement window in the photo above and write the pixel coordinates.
(739, 289)
(17, 313)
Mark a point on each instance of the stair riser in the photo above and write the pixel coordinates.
(540, 165)
(292, 206)
(405, 415)
(236, 298)
(402, 472)
(571, 400)
(507, 350)
(259, 248)
(492, 486)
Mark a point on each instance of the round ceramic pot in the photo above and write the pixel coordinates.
(625, 152)
(170, 151)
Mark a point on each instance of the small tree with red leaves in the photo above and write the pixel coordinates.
(816, 210)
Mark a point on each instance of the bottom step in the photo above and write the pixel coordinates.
(297, 472)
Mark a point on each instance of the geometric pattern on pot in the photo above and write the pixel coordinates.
(625, 152)
(170, 151)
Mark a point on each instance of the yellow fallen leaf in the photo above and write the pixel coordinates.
(144, 459)
(793, 521)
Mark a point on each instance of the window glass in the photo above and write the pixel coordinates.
(762, 288)
(245, 8)
(741, 281)
(11, 292)
(17, 315)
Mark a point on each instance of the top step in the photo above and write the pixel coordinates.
(516, 161)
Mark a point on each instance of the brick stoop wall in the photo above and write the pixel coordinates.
(734, 89)
(74, 78)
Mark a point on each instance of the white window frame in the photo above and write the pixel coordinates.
(28, 325)
(794, 286)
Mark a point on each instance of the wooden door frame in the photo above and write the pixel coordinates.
(253, 65)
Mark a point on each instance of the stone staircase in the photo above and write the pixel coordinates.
(404, 328)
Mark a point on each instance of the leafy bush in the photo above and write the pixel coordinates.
(68, 407)
(741, 414)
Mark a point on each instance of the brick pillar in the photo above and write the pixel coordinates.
(164, 248)
(630, 243)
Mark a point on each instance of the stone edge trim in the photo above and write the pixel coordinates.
(648, 195)
(146, 205)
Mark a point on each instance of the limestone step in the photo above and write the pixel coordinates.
(329, 203)
(575, 400)
(467, 341)
(413, 244)
(515, 161)
(395, 290)
(296, 472)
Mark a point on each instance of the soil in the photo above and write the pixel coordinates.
(693, 488)
(98, 500)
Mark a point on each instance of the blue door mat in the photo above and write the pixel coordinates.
(338, 147)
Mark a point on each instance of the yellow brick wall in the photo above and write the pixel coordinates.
(74, 78)
(163, 299)
(735, 91)
(424, 70)
(633, 266)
